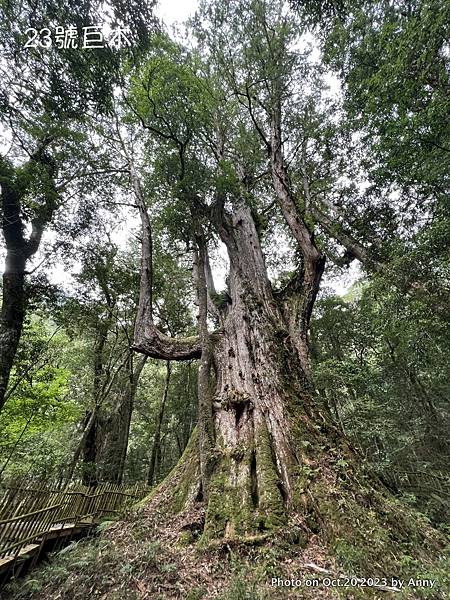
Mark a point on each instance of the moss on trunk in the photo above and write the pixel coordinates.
(278, 467)
(335, 498)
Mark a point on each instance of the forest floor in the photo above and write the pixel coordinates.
(146, 556)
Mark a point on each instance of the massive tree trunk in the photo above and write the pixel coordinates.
(259, 394)
(254, 382)
(266, 454)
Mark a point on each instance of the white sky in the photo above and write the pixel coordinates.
(175, 11)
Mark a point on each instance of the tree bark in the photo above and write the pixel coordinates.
(100, 392)
(12, 315)
(89, 453)
(156, 445)
(13, 304)
(19, 250)
(90, 447)
(259, 378)
(205, 413)
(305, 285)
(147, 338)
(114, 429)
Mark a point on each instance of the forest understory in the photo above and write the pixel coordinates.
(152, 554)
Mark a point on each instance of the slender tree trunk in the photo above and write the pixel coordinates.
(91, 447)
(156, 445)
(113, 433)
(89, 423)
(13, 292)
(89, 467)
(12, 314)
(204, 389)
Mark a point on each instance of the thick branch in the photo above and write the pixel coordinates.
(150, 341)
(299, 306)
(291, 214)
(211, 290)
(145, 308)
(209, 276)
(147, 338)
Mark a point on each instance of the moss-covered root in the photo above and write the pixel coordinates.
(245, 496)
(367, 531)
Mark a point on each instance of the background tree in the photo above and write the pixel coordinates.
(374, 365)
(105, 304)
(44, 95)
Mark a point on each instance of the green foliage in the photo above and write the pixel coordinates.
(39, 409)
(394, 62)
(379, 357)
(178, 420)
(62, 82)
(168, 92)
(104, 525)
(151, 550)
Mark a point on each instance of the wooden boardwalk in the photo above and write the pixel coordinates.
(31, 517)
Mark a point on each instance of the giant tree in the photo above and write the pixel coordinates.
(237, 147)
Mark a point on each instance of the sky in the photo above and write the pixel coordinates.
(173, 13)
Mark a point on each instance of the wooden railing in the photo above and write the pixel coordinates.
(30, 516)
